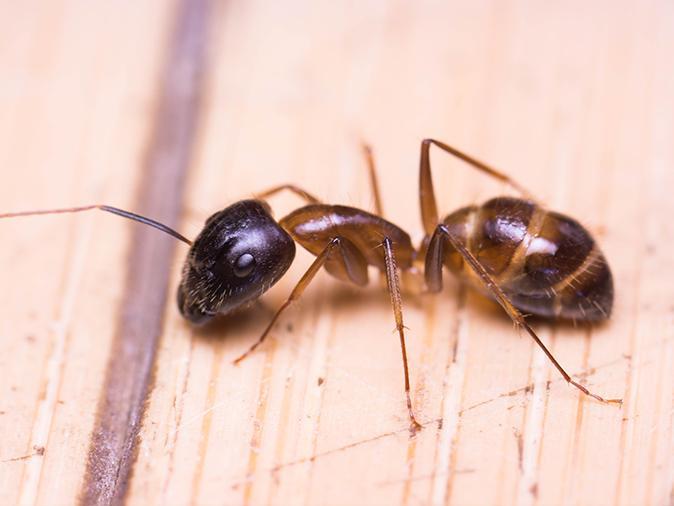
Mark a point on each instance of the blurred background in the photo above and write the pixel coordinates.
(176, 109)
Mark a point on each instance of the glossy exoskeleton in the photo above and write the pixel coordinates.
(238, 255)
(546, 263)
(530, 260)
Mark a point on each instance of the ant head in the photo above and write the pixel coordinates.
(240, 254)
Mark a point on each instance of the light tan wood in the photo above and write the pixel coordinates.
(572, 99)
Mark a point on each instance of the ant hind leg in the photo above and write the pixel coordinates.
(433, 260)
(429, 210)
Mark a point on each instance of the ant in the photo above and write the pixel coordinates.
(523, 256)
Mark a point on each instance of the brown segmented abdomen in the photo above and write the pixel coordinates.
(313, 226)
(546, 262)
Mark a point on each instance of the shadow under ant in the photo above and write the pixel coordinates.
(235, 330)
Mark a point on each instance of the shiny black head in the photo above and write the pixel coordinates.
(239, 255)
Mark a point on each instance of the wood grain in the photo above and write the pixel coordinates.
(572, 99)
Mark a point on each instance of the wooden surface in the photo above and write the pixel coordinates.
(573, 99)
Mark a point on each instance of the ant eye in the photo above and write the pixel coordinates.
(244, 265)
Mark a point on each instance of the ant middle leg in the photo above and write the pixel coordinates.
(374, 183)
(393, 284)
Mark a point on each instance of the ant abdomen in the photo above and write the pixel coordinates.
(546, 262)
(240, 253)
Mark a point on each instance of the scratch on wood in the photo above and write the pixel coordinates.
(529, 388)
(113, 443)
(343, 448)
(452, 399)
(438, 422)
(39, 452)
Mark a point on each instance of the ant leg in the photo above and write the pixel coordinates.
(296, 293)
(369, 160)
(425, 146)
(442, 232)
(429, 207)
(393, 284)
(114, 210)
(429, 210)
(350, 266)
(308, 197)
(433, 262)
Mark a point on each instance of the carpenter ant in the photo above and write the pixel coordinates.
(523, 256)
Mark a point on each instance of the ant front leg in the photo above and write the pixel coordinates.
(303, 194)
(311, 199)
(341, 258)
(302, 284)
(433, 273)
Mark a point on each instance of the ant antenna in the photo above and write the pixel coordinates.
(109, 209)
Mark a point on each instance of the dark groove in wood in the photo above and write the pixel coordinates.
(129, 374)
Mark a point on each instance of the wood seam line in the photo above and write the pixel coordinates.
(325, 368)
(129, 372)
(52, 378)
(458, 361)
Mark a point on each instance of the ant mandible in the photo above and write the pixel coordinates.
(521, 255)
